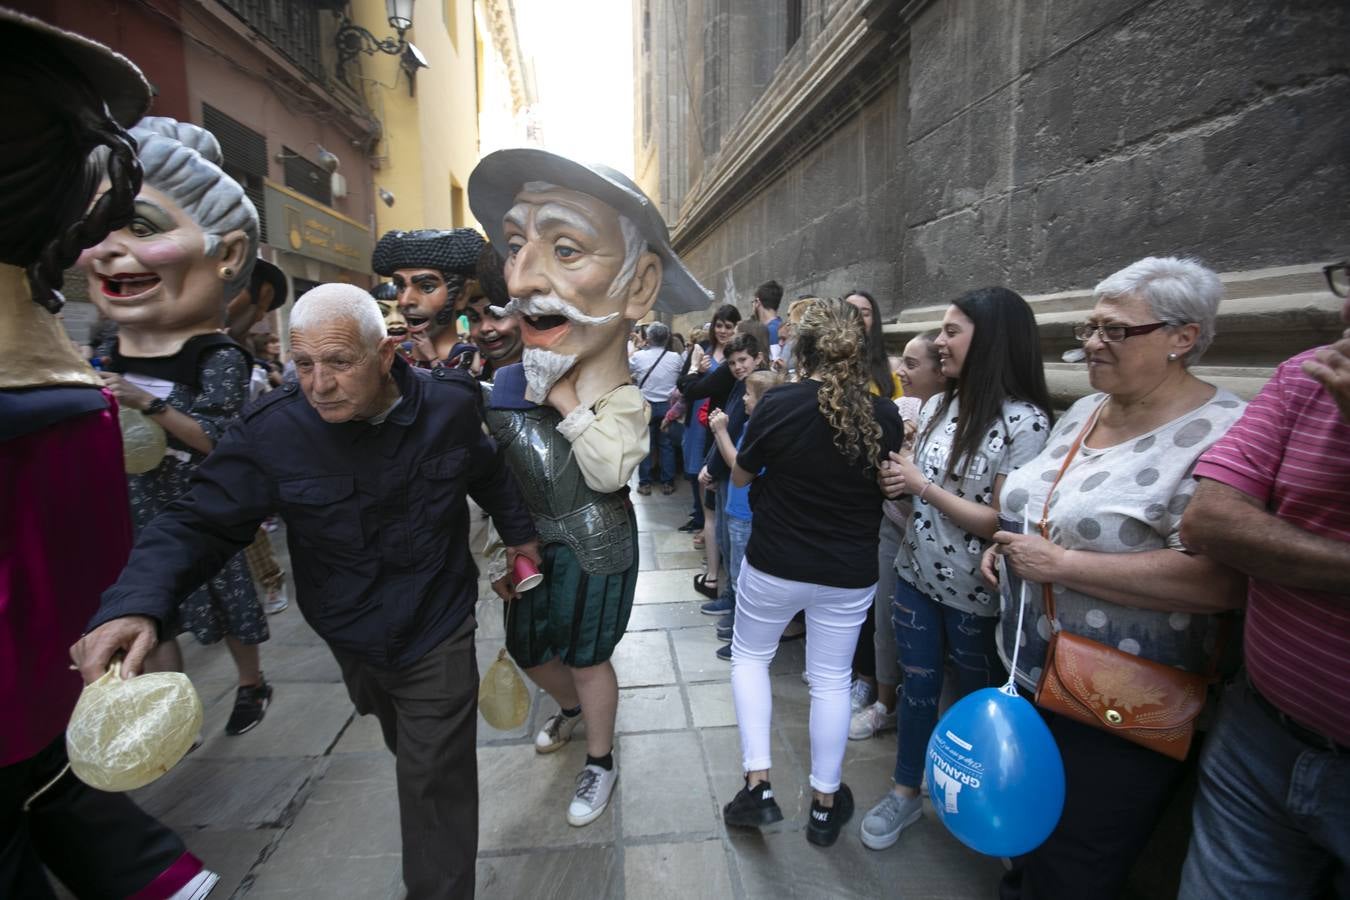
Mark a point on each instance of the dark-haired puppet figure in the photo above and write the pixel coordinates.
(64, 516)
(434, 274)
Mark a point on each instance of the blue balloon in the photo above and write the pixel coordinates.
(994, 773)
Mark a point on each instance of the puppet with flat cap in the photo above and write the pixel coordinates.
(587, 254)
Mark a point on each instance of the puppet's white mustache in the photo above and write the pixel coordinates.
(550, 305)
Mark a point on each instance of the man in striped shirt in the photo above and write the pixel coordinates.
(1272, 818)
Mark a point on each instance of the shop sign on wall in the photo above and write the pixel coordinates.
(300, 225)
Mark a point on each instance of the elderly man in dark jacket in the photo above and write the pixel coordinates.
(369, 463)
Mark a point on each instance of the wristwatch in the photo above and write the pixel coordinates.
(155, 406)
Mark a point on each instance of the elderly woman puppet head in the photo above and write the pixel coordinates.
(165, 276)
(586, 255)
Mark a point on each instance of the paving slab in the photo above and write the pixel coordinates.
(681, 559)
(228, 793)
(696, 654)
(644, 658)
(300, 662)
(523, 799)
(670, 793)
(712, 704)
(362, 735)
(666, 586)
(581, 873)
(651, 709)
(304, 719)
(676, 871)
(681, 614)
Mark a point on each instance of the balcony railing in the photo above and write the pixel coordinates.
(292, 26)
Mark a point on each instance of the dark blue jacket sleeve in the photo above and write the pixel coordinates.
(194, 536)
(735, 410)
(494, 488)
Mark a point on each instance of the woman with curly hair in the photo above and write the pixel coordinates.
(992, 417)
(812, 449)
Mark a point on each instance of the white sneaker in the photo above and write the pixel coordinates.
(556, 732)
(861, 696)
(872, 720)
(198, 887)
(594, 787)
(276, 601)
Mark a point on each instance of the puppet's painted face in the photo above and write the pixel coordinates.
(566, 250)
(424, 298)
(395, 325)
(153, 274)
(498, 337)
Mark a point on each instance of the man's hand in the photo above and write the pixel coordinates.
(505, 586)
(127, 394)
(705, 479)
(1331, 367)
(423, 347)
(717, 421)
(529, 550)
(133, 635)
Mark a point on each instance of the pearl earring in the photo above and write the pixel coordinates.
(1172, 357)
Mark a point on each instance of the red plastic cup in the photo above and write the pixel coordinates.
(526, 574)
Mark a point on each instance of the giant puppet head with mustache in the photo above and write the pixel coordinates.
(586, 255)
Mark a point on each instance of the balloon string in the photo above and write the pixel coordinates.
(1011, 686)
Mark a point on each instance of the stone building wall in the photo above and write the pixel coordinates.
(921, 148)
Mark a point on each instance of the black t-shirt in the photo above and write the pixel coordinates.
(816, 514)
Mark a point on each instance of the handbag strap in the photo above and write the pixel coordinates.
(1047, 591)
(1044, 524)
(653, 368)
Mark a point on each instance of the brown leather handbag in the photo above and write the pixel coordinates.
(1145, 702)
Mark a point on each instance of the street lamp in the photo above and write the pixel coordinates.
(352, 40)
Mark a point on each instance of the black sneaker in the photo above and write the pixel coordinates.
(250, 705)
(724, 632)
(752, 807)
(724, 652)
(823, 829)
(690, 527)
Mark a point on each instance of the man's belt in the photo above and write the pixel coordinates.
(1299, 732)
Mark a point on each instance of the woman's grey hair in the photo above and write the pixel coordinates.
(658, 334)
(332, 302)
(1178, 291)
(183, 160)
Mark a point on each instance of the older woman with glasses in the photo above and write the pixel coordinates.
(1120, 574)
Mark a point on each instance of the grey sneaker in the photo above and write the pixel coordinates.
(556, 732)
(594, 787)
(883, 823)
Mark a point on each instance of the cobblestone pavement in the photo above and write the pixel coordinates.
(304, 805)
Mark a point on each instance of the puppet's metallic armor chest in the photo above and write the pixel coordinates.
(566, 510)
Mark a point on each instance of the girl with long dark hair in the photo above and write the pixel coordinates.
(882, 380)
(813, 449)
(704, 358)
(993, 416)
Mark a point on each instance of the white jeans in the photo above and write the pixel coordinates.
(764, 606)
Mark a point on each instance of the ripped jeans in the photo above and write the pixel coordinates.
(926, 635)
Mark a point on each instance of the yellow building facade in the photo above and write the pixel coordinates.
(429, 140)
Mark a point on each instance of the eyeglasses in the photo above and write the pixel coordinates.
(1338, 278)
(1113, 334)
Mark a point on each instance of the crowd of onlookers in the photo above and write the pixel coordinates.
(880, 504)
